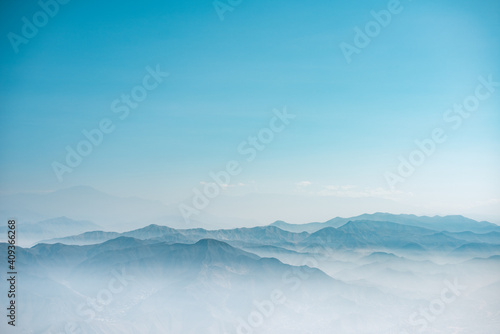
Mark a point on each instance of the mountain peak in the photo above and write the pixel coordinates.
(278, 223)
(211, 242)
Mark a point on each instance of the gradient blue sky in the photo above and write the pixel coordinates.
(352, 120)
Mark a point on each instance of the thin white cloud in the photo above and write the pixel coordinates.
(224, 186)
(490, 202)
(304, 183)
(346, 187)
(356, 192)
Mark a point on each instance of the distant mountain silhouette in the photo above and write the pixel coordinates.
(438, 223)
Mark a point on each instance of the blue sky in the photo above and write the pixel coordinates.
(226, 77)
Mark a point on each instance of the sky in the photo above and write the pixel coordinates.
(231, 70)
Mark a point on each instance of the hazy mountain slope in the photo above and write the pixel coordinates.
(29, 233)
(87, 238)
(193, 279)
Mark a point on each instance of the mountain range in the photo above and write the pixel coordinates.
(364, 274)
(446, 223)
(353, 234)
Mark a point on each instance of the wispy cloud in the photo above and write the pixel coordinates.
(491, 201)
(225, 186)
(346, 187)
(358, 192)
(304, 184)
